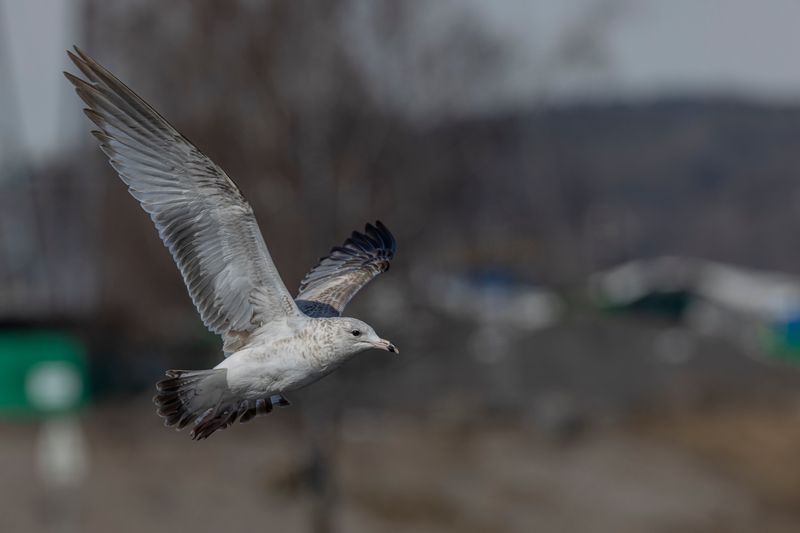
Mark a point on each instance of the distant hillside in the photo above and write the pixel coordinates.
(549, 196)
(567, 191)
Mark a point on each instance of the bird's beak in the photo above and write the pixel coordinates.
(383, 344)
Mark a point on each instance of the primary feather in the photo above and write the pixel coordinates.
(199, 212)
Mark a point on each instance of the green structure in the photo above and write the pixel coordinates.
(42, 373)
(782, 339)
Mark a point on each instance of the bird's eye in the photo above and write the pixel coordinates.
(355, 333)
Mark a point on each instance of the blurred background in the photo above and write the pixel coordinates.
(596, 294)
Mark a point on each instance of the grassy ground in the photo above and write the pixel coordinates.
(698, 471)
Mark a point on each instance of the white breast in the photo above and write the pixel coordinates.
(282, 357)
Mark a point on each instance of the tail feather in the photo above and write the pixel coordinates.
(185, 395)
(198, 397)
(204, 428)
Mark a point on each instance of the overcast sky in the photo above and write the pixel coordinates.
(658, 47)
(641, 50)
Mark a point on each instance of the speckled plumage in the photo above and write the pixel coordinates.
(272, 342)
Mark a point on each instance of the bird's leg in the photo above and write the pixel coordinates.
(279, 400)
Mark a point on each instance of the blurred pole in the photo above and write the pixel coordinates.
(11, 134)
(62, 462)
(21, 232)
(319, 193)
(323, 434)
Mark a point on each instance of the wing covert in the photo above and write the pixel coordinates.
(332, 283)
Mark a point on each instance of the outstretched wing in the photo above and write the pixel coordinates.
(328, 287)
(199, 212)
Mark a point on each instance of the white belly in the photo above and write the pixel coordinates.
(257, 372)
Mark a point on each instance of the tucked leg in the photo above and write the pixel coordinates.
(279, 400)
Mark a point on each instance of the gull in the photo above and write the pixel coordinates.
(272, 343)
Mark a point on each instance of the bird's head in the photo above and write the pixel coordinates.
(356, 336)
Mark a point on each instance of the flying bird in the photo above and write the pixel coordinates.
(272, 343)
